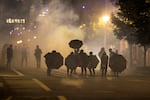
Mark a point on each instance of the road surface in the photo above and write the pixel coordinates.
(34, 84)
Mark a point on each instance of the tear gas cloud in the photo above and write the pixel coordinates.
(56, 28)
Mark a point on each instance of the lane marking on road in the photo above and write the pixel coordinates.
(62, 98)
(42, 85)
(19, 73)
(8, 75)
(9, 98)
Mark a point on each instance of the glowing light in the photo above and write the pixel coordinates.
(16, 20)
(20, 32)
(23, 28)
(35, 26)
(147, 1)
(35, 37)
(83, 7)
(19, 42)
(82, 26)
(10, 33)
(105, 18)
(46, 9)
(41, 15)
(16, 28)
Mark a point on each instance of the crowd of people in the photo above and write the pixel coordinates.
(19, 56)
(85, 61)
(54, 60)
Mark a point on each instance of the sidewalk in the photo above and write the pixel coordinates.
(137, 71)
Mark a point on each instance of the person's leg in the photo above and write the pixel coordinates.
(67, 71)
(82, 70)
(94, 71)
(85, 71)
(8, 62)
(48, 71)
(38, 62)
(71, 71)
(90, 71)
(74, 70)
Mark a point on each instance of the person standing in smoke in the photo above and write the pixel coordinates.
(92, 63)
(24, 55)
(9, 55)
(53, 60)
(71, 62)
(37, 55)
(4, 54)
(104, 61)
(83, 62)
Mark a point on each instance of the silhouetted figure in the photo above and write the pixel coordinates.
(16, 56)
(93, 61)
(117, 63)
(71, 62)
(83, 62)
(4, 54)
(76, 45)
(101, 52)
(104, 61)
(37, 55)
(9, 55)
(53, 60)
(24, 55)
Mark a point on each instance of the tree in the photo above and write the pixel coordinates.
(132, 21)
(123, 30)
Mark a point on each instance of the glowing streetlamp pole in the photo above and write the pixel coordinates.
(105, 19)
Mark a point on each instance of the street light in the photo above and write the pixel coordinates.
(105, 19)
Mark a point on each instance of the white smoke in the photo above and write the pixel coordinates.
(56, 27)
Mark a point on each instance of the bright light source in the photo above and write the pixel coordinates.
(105, 18)
(82, 26)
(19, 42)
(10, 33)
(23, 28)
(35, 37)
(83, 6)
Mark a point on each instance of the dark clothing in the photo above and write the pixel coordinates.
(104, 63)
(92, 63)
(37, 54)
(71, 62)
(83, 62)
(117, 63)
(47, 58)
(9, 56)
(4, 54)
(53, 60)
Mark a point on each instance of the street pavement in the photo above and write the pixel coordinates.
(34, 84)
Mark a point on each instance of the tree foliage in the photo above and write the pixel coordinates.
(132, 21)
(123, 31)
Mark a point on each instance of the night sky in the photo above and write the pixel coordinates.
(21, 9)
